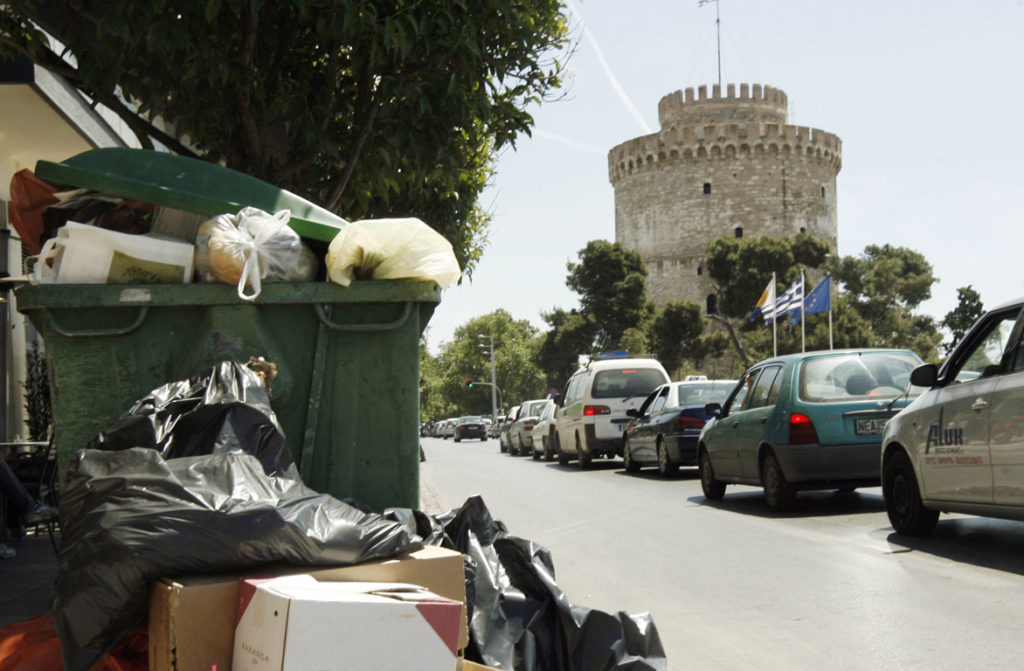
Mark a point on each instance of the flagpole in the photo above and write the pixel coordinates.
(803, 317)
(775, 317)
(829, 275)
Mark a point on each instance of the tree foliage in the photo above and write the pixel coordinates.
(960, 319)
(676, 334)
(570, 335)
(372, 108)
(610, 281)
(517, 375)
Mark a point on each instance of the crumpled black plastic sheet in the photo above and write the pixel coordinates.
(224, 409)
(130, 517)
(518, 617)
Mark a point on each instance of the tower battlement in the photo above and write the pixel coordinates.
(732, 140)
(695, 107)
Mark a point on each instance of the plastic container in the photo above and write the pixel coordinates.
(347, 389)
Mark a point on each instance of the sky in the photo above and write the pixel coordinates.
(926, 95)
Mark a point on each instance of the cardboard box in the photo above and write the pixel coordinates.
(297, 623)
(192, 619)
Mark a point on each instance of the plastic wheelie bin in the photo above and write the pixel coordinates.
(347, 390)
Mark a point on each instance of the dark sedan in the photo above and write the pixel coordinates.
(470, 427)
(666, 426)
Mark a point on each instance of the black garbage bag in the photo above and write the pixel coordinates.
(130, 516)
(224, 409)
(518, 617)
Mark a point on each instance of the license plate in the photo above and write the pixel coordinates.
(870, 427)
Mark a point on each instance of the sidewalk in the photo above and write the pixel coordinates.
(26, 581)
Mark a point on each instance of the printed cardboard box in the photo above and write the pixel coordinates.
(192, 619)
(297, 623)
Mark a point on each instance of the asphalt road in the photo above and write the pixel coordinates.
(731, 585)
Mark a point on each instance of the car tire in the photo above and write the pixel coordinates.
(712, 486)
(457, 439)
(533, 451)
(583, 460)
(563, 458)
(779, 493)
(627, 458)
(907, 513)
(666, 468)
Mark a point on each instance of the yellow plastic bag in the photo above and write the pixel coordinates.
(391, 249)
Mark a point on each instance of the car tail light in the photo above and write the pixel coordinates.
(801, 429)
(528, 426)
(552, 429)
(590, 410)
(688, 422)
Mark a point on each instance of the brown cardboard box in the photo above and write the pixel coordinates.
(192, 619)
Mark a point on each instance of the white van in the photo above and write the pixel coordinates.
(592, 417)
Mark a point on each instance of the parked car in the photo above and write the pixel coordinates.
(592, 413)
(805, 421)
(448, 428)
(520, 434)
(544, 433)
(494, 429)
(958, 447)
(468, 427)
(505, 424)
(666, 426)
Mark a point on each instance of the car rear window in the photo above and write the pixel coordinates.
(704, 392)
(850, 377)
(622, 382)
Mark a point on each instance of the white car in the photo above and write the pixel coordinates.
(520, 434)
(958, 447)
(544, 433)
(592, 418)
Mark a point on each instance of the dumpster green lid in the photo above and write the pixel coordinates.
(186, 184)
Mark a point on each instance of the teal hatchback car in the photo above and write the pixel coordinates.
(805, 421)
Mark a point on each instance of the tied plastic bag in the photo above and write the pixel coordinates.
(84, 254)
(251, 247)
(391, 249)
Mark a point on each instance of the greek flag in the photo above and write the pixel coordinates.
(788, 302)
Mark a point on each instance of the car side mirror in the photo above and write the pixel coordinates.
(713, 409)
(557, 398)
(925, 376)
(632, 412)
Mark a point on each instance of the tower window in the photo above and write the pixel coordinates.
(738, 232)
(822, 192)
(712, 304)
(700, 269)
(803, 230)
(707, 188)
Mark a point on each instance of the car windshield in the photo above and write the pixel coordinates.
(704, 392)
(533, 409)
(622, 382)
(845, 377)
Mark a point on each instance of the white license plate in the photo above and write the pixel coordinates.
(870, 427)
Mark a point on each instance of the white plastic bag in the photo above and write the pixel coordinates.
(84, 254)
(251, 247)
(390, 249)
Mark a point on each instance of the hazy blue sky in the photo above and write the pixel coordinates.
(926, 96)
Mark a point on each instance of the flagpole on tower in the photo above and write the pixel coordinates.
(718, 34)
(803, 321)
(775, 340)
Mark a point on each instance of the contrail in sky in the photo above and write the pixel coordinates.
(616, 86)
(566, 140)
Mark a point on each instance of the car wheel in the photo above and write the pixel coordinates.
(712, 486)
(583, 460)
(457, 439)
(778, 492)
(563, 458)
(627, 458)
(665, 465)
(533, 451)
(501, 444)
(907, 513)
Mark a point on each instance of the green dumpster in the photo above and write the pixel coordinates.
(347, 390)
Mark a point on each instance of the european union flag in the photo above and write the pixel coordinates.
(819, 300)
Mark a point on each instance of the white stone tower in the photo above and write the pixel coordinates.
(720, 165)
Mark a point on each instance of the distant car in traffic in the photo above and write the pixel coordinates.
(958, 447)
(494, 428)
(470, 427)
(544, 433)
(505, 425)
(448, 427)
(666, 426)
(805, 421)
(520, 434)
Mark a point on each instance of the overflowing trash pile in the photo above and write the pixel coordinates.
(191, 506)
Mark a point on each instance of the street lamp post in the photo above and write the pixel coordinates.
(494, 386)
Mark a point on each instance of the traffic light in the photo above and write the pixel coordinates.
(469, 383)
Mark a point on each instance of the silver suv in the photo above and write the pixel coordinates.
(958, 447)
